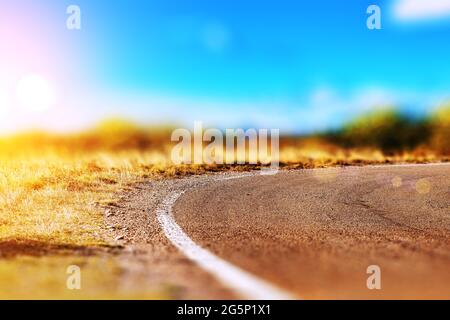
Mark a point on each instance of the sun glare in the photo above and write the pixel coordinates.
(35, 93)
(5, 102)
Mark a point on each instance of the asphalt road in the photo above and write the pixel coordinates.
(315, 232)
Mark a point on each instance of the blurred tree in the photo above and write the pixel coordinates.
(440, 126)
(386, 129)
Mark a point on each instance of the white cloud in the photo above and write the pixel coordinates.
(5, 102)
(327, 108)
(409, 10)
(322, 108)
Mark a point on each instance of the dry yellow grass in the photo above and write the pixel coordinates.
(51, 215)
(52, 191)
(53, 197)
(28, 277)
(50, 198)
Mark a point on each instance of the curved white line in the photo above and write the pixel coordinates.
(231, 276)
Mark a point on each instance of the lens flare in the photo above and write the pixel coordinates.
(34, 93)
(5, 102)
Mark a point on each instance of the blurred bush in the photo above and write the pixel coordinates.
(120, 134)
(439, 122)
(114, 134)
(386, 129)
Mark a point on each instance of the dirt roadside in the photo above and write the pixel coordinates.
(148, 259)
(313, 232)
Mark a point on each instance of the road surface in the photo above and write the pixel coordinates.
(315, 232)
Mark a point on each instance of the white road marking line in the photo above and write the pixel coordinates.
(243, 282)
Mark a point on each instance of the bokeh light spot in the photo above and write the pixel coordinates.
(326, 175)
(397, 182)
(423, 186)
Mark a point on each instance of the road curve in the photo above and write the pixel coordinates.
(315, 232)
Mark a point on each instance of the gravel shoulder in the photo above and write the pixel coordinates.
(312, 232)
(148, 260)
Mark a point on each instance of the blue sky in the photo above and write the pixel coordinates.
(296, 65)
(268, 48)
